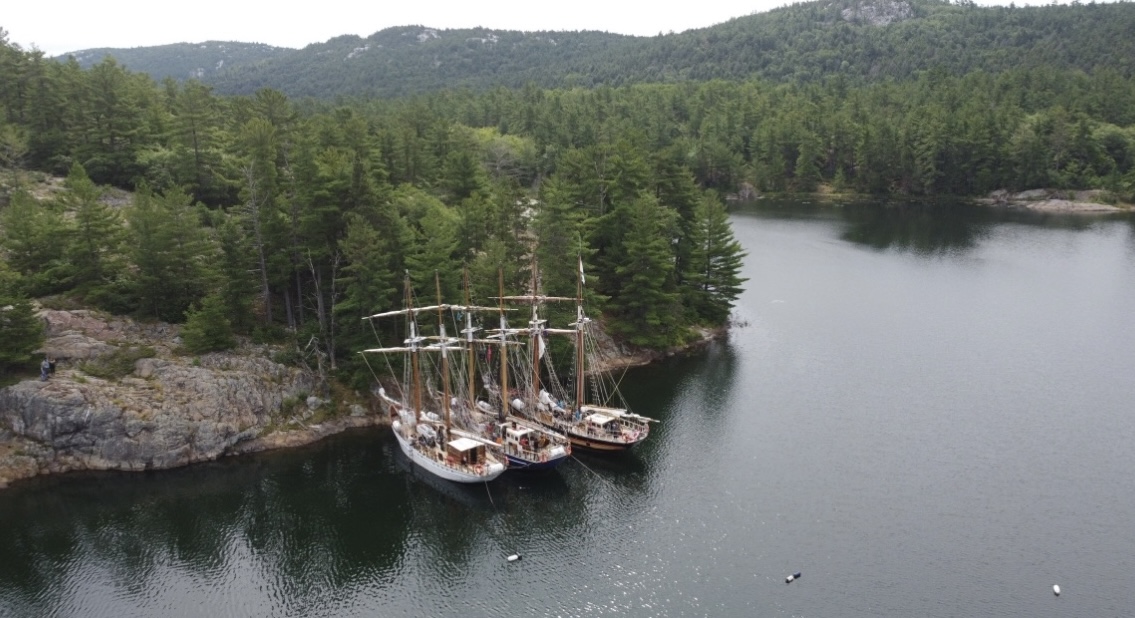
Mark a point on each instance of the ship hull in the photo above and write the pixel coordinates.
(479, 474)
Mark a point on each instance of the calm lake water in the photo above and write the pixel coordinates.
(926, 411)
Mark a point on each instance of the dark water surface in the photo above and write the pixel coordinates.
(927, 413)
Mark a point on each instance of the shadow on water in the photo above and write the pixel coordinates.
(922, 229)
(615, 466)
(326, 515)
(707, 375)
(497, 495)
(928, 228)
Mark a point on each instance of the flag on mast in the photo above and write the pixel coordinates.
(582, 279)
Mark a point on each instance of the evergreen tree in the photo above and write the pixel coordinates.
(21, 332)
(559, 233)
(714, 277)
(648, 311)
(195, 124)
(207, 329)
(237, 283)
(95, 250)
(172, 256)
(806, 170)
(35, 237)
(112, 123)
(370, 283)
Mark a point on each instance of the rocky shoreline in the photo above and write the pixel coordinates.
(165, 409)
(1052, 201)
(1048, 201)
(124, 398)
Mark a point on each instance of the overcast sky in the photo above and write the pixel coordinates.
(60, 26)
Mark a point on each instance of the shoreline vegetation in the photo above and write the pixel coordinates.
(273, 225)
(80, 338)
(97, 413)
(1046, 201)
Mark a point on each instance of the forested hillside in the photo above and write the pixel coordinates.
(861, 40)
(278, 218)
(256, 216)
(183, 61)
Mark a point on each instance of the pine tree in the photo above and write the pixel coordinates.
(95, 250)
(21, 332)
(648, 311)
(714, 277)
(207, 329)
(557, 226)
(370, 283)
(170, 252)
(35, 236)
(237, 283)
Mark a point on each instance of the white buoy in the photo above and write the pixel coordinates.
(1056, 590)
(791, 578)
(514, 558)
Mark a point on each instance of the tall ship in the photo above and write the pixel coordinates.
(590, 411)
(527, 445)
(429, 440)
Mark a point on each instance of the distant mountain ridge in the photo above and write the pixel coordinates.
(184, 60)
(862, 40)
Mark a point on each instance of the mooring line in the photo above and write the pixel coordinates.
(597, 475)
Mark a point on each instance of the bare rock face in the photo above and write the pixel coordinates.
(879, 12)
(1055, 201)
(171, 411)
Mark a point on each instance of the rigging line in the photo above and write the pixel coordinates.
(372, 373)
(618, 383)
(486, 483)
(609, 484)
(385, 357)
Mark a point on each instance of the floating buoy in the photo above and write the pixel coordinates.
(514, 558)
(1056, 590)
(791, 578)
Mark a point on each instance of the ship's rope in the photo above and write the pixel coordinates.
(605, 481)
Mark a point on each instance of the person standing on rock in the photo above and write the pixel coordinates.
(51, 366)
(44, 367)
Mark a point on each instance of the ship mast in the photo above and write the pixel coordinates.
(534, 393)
(444, 356)
(469, 353)
(579, 375)
(504, 351)
(415, 370)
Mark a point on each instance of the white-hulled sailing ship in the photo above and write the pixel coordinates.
(430, 441)
(528, 445)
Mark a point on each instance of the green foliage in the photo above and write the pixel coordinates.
(117, 364)
(714, 279)
(648, 310)
(302, 217)
(181, 59)
(171, 253)
(95, 248)
(21, 332)
(803, 42)
(207, 329)
(236, 280)
(35, 237)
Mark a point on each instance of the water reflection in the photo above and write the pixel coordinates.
(928, 228)
(315, 518)
(706, 380)
(925, 229)
(900, 439)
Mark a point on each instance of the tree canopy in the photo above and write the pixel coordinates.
(299, 217)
